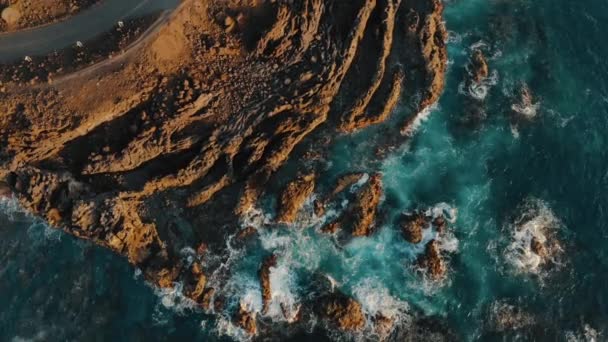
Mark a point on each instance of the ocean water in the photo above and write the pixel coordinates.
(501, 181)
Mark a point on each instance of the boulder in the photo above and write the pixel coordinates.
(264, 274)
(293, 197)
(412, 226)
(432, 261)
(478, 67)
(342, 311)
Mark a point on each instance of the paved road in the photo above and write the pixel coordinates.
(81, 27)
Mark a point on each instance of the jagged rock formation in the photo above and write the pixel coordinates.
(342, 311)
(412, 226)
(293, 197)
(165, 150)
(432, 261)
(478, 67)
(264, 275)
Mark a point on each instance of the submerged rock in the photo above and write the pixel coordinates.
(344, 182)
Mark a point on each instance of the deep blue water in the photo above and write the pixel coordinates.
(488, 172)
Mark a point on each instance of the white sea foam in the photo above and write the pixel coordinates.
(376, 300)
(528, 111)
(173, 298)
(480, 90)
(420, 118)
(538, 222)
(588, 334)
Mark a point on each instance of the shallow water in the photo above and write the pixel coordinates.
(546, 176)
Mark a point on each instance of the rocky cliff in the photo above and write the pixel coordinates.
(165, 150)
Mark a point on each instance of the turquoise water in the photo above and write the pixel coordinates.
(486, 173)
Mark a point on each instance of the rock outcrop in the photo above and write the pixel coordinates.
(264, 274)
(478, 67)
(246, 321)
(166, 149)
(432, 261)
(342, 311)
(412, 226)
(293, 197)
(362, 213)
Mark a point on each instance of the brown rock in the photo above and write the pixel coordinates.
(264, 274)
(246, 321)
(440, 224)
(203, 120)
(54, 217)
(343, 312)
(331, 227)
(363, 211)
(246, 233)
(293, 197)
(538, 248)
(478, 67)
(198, 292)
(5, 190)
(319, 208)
(383, 326)
(345, 182)
(432, 261)
(412, 226)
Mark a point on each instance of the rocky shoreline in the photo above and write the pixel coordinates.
(172, 149)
